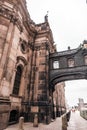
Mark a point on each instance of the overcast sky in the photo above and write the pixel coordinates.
(68, 21)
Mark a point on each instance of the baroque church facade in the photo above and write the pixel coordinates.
(24, 65)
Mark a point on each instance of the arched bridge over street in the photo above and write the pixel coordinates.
(68, 65)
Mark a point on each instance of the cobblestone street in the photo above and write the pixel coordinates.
(77, 122)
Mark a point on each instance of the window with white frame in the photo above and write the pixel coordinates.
(56, 64)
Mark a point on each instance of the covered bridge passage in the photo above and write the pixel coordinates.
(68, 65)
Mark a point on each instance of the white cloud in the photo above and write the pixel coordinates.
(74, 90)
(67, 18)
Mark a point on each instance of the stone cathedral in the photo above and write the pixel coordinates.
(24, 66)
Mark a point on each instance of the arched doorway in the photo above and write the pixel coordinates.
(14, 115)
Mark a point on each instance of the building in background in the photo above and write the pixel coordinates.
(82, 108)
(81, 104)
(24, 66)
(60, 98)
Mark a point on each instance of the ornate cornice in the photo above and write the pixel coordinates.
(27, 44)
(12, 16)
(23, 59)
(43, 46)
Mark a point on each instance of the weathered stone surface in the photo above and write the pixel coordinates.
(24, 62)
(4, 112)
(35, 124)
(21, 123)
(4, 117)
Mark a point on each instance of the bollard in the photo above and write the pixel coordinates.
(64, 123)
(21, 122)
(35, 124)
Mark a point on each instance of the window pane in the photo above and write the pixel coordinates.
(56, 64)
(17, 81)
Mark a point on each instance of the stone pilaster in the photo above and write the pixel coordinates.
(36, 77)
(12, 81)
(6, 48)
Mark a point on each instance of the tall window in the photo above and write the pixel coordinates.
(17, 81)
(71, 63)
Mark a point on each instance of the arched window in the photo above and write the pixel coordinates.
(71, 63)
(14, 116)
(17, 80)
(85, 57)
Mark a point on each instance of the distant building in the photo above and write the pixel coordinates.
(60, 98)
(81, 104)
(83, 108)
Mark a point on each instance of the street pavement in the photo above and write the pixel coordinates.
(55, 125)
(77, 122)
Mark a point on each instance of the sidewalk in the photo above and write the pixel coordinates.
(55, 125)
(77, 122)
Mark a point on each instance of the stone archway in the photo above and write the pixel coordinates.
(68, 65)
